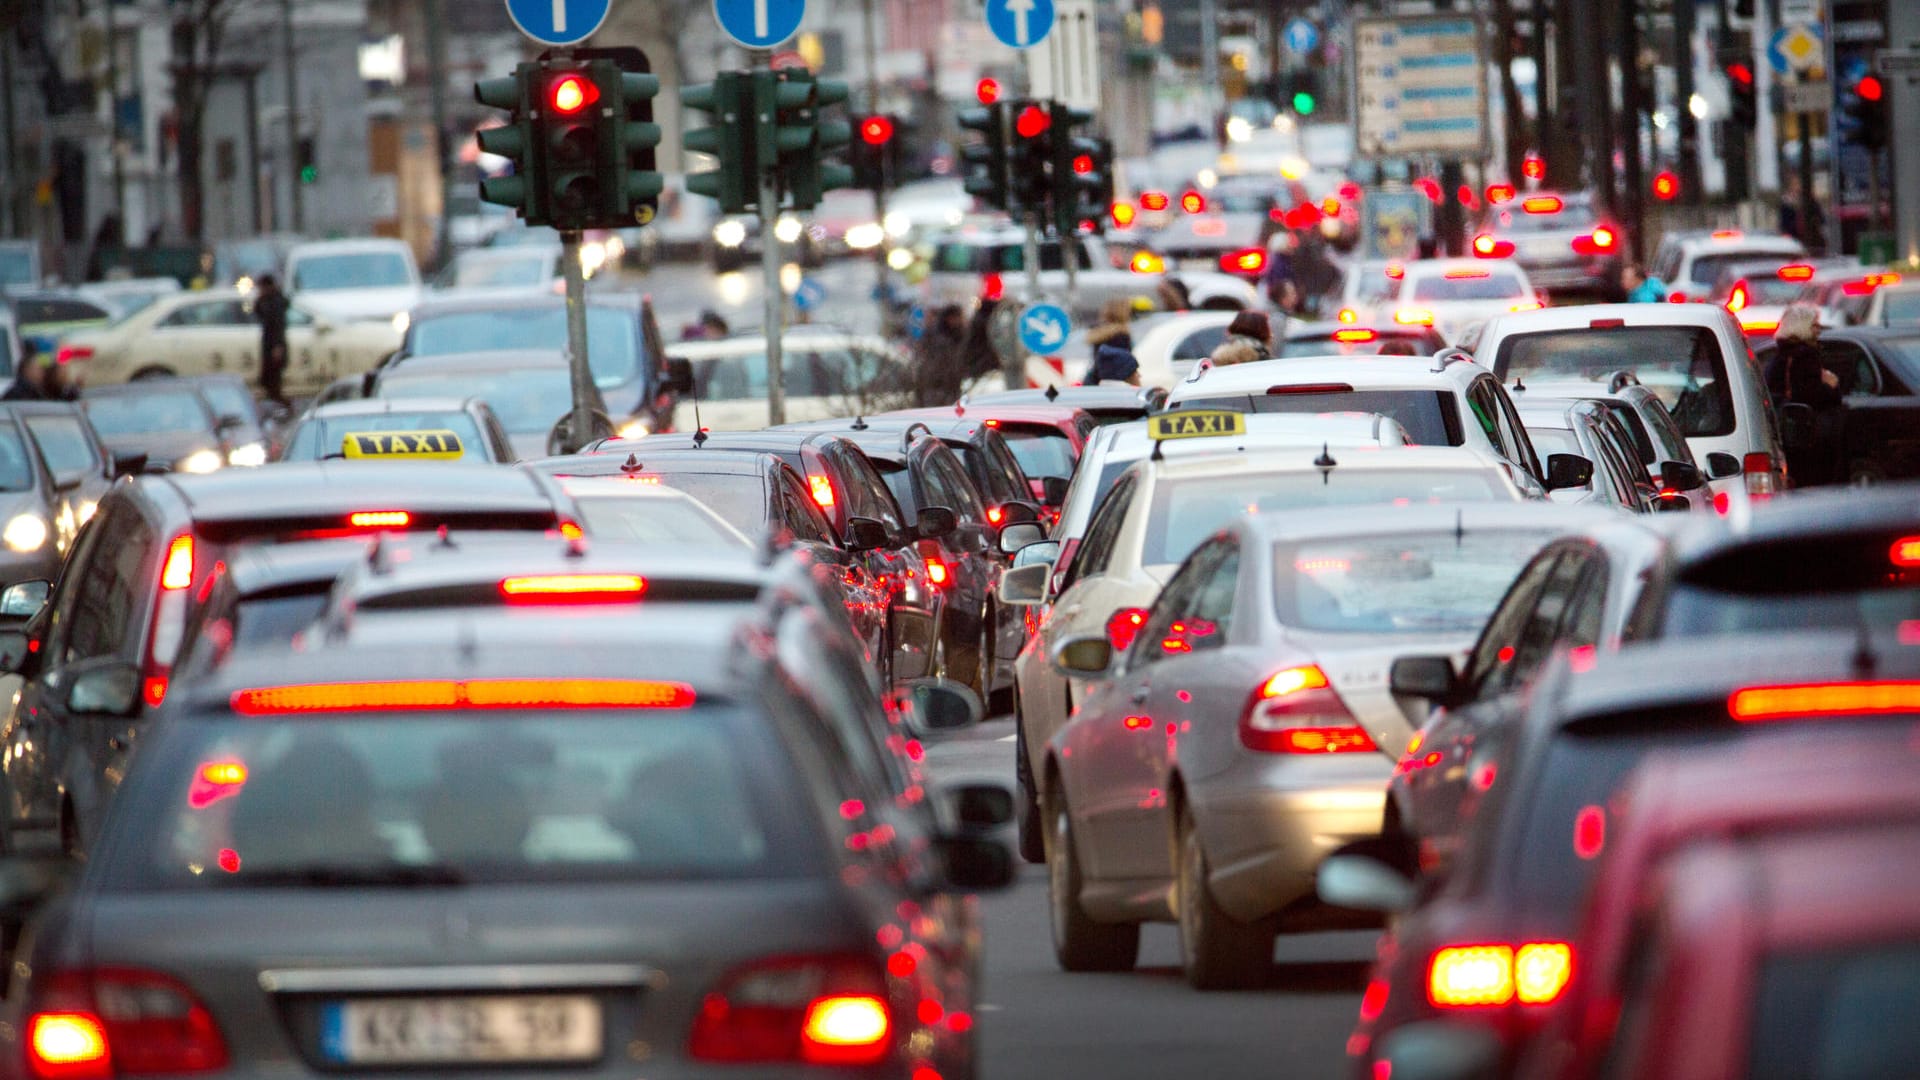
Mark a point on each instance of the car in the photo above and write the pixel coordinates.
(972, 264)
(1045, 439)
(1894, 304)
(1167, 346)
(1688, 261)
(1759, 292)
(1454, 295)
(363, 280)
(49, 316)
(334, 430)
(168, 421)
(1843, 293)
(1367, 288)
(1561, 240)
(1351, 339)
(124, 296)
(1438, 401)
(510, 272)
(1878, 368)
(1156, 514)
(1263, 661)
(1492, 940)
(214, 331)
(12, 344)
(613, 509)
(132, 580)
(1656, 439)
(1107, 404)
(265, 597)
(826, 373)
(40, 522)
(529, 390)
(243, 262)
(1588, 429)
(624, 345)
(1692, 355)
(83, 468)
(688, 781)
(236, 415)
(998, 479)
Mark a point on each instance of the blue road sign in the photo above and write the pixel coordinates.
(1020, 24)
(810, 295)
(1301, 36)
(759, 24)
(558, 22)
(1044, 327)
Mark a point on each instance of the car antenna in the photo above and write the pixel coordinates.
(1053, 393)
(576, 547)
(699, 438)
(1864, 660)
(1519, 386)
(1158, 454)
(631, 467)
(444, 539)
(960, 407)
(377, 562)
(860, 423)
(1325, 464)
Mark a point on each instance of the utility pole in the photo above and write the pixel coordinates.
(113, 120)
(1683, 27)
(1210, 63)
(296, 198)
(1734, 137)
(871, 27)
(442, 144)
(9, 189)
(776, 296)
(1633, 108)
(1903, 34)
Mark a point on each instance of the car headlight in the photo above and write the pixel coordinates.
(636, 428)
(86, 509)
(593, 256)
(866, 237)
(25, 533)
(787, 229)
(402, 320)
(616, 248)
(898, 225)
(899, 258)
(730, 234)
(201, 461)
(248, 455)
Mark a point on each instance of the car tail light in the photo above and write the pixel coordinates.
(1487, 247)
(814, 1010)
(69, 353)
(1465, 976)
(1249, 261)
(1193, 203)
(1499, 193)
(1123, 626)
(1677, 298)
(1737, 297)
(1467, 275)
(1863, 287)
(992, 287)
(1796, 272)
(995, 515)
(120, 1021)
(380, 519)
(1348, 315)
(1146, 262)
(1353, 337)
(1905, 552)
(1541, 204)
(1812, 700)
(1298, 712)
(572, 588)
(414, 694)
(938, 572)
(177, 572)
(822, 489)
(1413, 317)
(1757, 468)
(1396, 271)
(1155, 201)
(169, 619)
(1526, 305)
(1759, 327)
(1886, 277)
(1603, 238)
(1727, 234)
(1122, 214)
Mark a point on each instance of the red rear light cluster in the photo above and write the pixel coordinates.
(1813, 701)
(416, 694)
(1469, 976)
(151, 1024)
(573, 588)
(812, 1010)
(1796, 272)
(1541, 204)
(1248, 261)
(1486, 247)
(1598, 242)
(1193, 202)
(992, 287)
(1737, 297)
(1297, 711)
(1123, 626)
(70, 353)
(1154, 201)
(1757, 469)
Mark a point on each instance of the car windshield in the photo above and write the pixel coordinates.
(1187, 511)
(1551, 440)
(1432, 583)
(1682, 365)
(739, 498)
(327, 437)
(1040, 451)
(614, 334)
(228, 399)
(63, 442)
(526, 402)
(1468, 285)
(150, 412)
(16, 470)
(1849, 1010)
(1707, 268)
(1427, 415)
(1903, 307)
(397, 799)
(481, 271)
(357, 270)
(657, 521)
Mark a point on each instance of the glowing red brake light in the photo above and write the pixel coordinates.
(67, 1044)
(1500, 193)
(1486, 247)
(1757, 470)
(1737, 297)
(1413, 317)
(1541, 204)
(380, 519)
(822, 489)
(1193, 202)
(177, 572)
(1123, 626)
(1297, 711)
(1604, 238)
(69, 353)
(573, 587)
(1155, 201)
(417, 694)
(1311, 388)
(937, 573)
(1249, 261)
(1467, 275)
(1905, 552)
(1466, 976)
(1355, 336)
(1395, 271)
(992, 287)
(816, 1010)
(119, 1021)
(1796, 272)
(1123, 215)
(1810, 701)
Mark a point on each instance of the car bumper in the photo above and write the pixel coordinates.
(1266, 832)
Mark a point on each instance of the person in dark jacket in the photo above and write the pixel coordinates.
(30, 383)
(1806, 380)
(270, 307)
(1253, 328)
(1112, 341)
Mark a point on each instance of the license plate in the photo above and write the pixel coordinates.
(415, 1031)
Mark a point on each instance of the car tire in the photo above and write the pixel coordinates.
(1218, 952)
(1079, 943)
(1028, 821)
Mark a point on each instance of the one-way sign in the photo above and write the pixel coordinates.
(1020, 24)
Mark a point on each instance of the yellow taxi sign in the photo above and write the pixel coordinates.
(1195, 424)
(415, 445)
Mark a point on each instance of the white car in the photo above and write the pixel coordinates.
(1365, 287)
(1455, 295)
(1893, 305)
(1693, 356)
(505, 271)
(355, 280)
(1656, 439)
(1445, 400)
(1154, 516)
(1587, 428)
(828, 373)
(614, 508)
(1688, 263)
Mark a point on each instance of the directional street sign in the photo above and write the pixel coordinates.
(1019, 24)
(759, 24)
(558, 22)
(1301, 36)
(810, 295)
(1044, 327)
(1420, 86)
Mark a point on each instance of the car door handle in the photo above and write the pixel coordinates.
(1140, 695)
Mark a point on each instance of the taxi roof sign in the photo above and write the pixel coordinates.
(434, 445)
(1195, 424)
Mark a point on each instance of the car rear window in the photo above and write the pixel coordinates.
(1835, 580)
(1684, 366)
(739, 498)
(228, 399)
(325, 438)
(1426, 583)
(526, 402)
(657, 521)
(1706, 268)
(1040, 451)
(695, 794)
(1329, 345)
(1481, 285)
(1849, 1012)
(1428, 415)
(1902, 307)
(151, 412)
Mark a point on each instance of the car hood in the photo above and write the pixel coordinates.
(353, 304)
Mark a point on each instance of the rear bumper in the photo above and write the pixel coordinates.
(1266, 833)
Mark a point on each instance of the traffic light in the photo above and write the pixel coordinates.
(730, 141)
(512, 141)
(1743, 105)
(1030, 158)
(875, 153)
(1866, 106)
(985, 161)
(308, 162)
(1666, 185)
(800, 140)
(1303, 91)
(570, 137)
(635, 136)
(1077, 169)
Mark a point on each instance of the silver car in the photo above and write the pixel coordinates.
(1250, 728)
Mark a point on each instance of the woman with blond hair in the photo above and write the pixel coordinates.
(1805, 379)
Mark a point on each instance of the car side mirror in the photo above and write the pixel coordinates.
(24, 599)
(1014, 538)
(975, 864)
(677, 377)
(65, 482)
(936, 706)
(1680, 475)
(1086, 656)
(129, 464)
(1568, 471)
(982, 806)
(1053, 489)
(866, 534)
(1441, 1050)
(1796, 426)
(1671, 504)
(1429, 677)
(1375, 874)
(1018, 513)
(935, 522)
(1025, 586)
(910, 626)
(1721, 465)
(104, 688)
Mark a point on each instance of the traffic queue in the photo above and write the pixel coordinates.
(422, 748)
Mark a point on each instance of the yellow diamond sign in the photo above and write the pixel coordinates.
(1801, 46)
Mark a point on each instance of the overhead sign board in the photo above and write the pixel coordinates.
(1066, 67)
(558, 22)
(1420, 87)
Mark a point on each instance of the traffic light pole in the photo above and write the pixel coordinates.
(580, 424)
(1029, 258)
(882, 293)
(776, 298)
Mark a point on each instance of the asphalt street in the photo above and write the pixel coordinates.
(1042, 1023)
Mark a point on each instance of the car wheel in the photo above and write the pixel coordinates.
(1029, 822)
(1079, 943)
(1218, 951)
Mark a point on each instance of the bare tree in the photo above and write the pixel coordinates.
(199, 31)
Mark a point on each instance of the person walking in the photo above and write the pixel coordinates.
(1640, 288)
(1112, 341)
(1806, 380)
(30, 382)
(270, 307)
(1253, 329)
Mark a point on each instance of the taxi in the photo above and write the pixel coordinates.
(1251, 720)
(463, 429)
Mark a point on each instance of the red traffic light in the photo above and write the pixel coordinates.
(1740, 73)
(1534, 168)
(1868, 88)
(1665, 185)
(571, 93)
(876, 130)
(1083, 164)
(1032, 122)
(988, 91)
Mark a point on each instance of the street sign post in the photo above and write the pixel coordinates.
(759, 24)
(1420, 88)
(1019, 24)
(1044, 328)
(558, 22)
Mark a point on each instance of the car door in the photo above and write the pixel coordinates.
(313, 357)
(1207, 664)
(203, 337)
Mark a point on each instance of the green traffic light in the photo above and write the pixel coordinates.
(309, 175)
(1303, 103)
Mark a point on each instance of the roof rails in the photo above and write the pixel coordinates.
(1452, 354)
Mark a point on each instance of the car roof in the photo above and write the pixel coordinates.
(530, 301)
(1428, 267)
(1292, 526)
(1264, 430)
(349, 245)
(1304, 459)
(1804, 516)
(319, 488)
(764, 440)
(718, 460)
(1043, 414)
(1736, 240)
(263, 569)
(1090, 398)
(490, 360)
(1359, 372)
(44, 408)
(143, 386)
(385, 406)
(1297, 328)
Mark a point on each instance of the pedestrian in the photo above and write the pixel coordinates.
(1280, 284)
(940, 364)
(1252, 328)
(1233, 351)
(1114, 364)
(1173, 294)
(1806, 380)
(1640, 288)
(1398, 347)
(270, 307)
(60, 383)
(30, 382)
(1112, 341)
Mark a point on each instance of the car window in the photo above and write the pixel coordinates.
(1175, 601)
(16, 466)
(1489, 667)
(1467, 285)
(867, 495)
(228, 399)
(1206, 620)
(1009, 481)
(352, 270)
(1585, 620)
(1622, 462)
(1483, 404)
(1041, 451)
(1431, 583)
(1682, 365)
(618, 350)
(64, 443)
(1636, 430)
(56, 309)
(212, 313)
(803, 515)
(1837, 1010)
(947, 475)
(1200, 344)
(1103, 532)
(152, 412)
(1858, 377)
(1513, 431)
(326, 437)
(111, 590)
(1541, 631)
(528, 402)
(739, 498)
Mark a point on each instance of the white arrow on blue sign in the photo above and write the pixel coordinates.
(759, 24)
(1301, 36)
(1044, 327)
(1020, 24)
(558, 22)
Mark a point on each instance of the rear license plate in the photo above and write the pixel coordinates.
(417, 1031)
